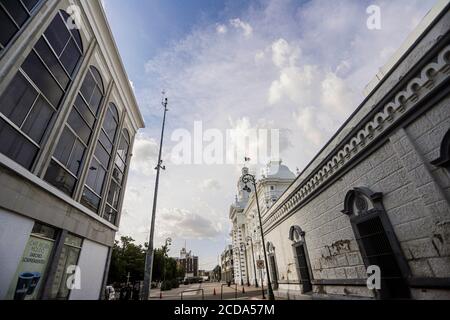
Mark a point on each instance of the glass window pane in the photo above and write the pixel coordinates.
(64, 147)
(114, 194)
(52, 62)
(38, 120)
(16, 101)
(70, 57)
(98, 78)
(87, 87)
(79, 126)
(69, 256)
(7, 28)
(84, 110)
(30, 4)
(122, 150)
(57, 34)
(105, 142)
(96, 100)
(117, 174)
(102, 155)
(15, 9)
(120, 164)
(44, 231)
(96, 177)
(110, 125)
(35, 69)
(60, 178)
(110, 214)
(76, 157)
(15, 146)
(90, 200)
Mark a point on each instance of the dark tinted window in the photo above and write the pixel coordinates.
(60, 178)
(16, 146)
(57, 34)
(13, 15)
(18, 99)
(38, 120)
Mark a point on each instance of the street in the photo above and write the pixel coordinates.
(194, 292)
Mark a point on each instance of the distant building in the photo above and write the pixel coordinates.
(227, 265)
(189, 262)
(68, 118)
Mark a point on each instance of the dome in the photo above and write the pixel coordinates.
(277, 170)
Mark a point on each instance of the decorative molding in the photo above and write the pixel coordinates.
(433, 74)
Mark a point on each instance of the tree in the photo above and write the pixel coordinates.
(126, 257)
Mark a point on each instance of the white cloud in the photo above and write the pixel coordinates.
(182, 223)
(239, 24)
(145, 155)
(221, 29)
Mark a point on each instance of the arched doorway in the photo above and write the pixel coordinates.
(377, 242)
(272, 265)
(297, 236)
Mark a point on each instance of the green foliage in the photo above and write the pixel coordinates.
(126, 257)
(129, 257)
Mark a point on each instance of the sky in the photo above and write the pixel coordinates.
(295, 67)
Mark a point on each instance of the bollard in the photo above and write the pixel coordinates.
(214, 291)
(160, 294)
(243, 289)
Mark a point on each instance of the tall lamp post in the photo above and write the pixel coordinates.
(254, 263)
(246, 263)
(150, 252)
(249, 178)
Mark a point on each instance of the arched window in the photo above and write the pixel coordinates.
(273, 264)
(117, 180)
(100, 162)
(64, 169)
(376, 240)
(13, 15)
(35, 93)
(444, 153)
(297, 236)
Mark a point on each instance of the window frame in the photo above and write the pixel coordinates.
(39, 93)
(20, 29)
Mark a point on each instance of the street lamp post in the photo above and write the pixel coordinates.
(251, 178)
(149, 255)
(253, 256)
(246, 263)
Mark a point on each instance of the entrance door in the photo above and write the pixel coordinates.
(377, 250)
(273, 271)
(302, 268)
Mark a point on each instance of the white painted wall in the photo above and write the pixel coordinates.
(14, 233)
(92, 265)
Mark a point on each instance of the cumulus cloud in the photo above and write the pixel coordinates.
(221, 29)
(182, 223)
(145, 155)
(244, 26)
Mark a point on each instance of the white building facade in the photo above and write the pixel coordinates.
(246, 235)
(68, 117)
(378, 193)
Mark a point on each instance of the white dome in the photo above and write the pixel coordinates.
(277, 170)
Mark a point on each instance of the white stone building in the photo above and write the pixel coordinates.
(378, 193)
(246, 237)
(68, 117)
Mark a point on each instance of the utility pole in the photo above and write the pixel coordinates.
(150, 252)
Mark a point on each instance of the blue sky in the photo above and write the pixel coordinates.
(296, 66)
